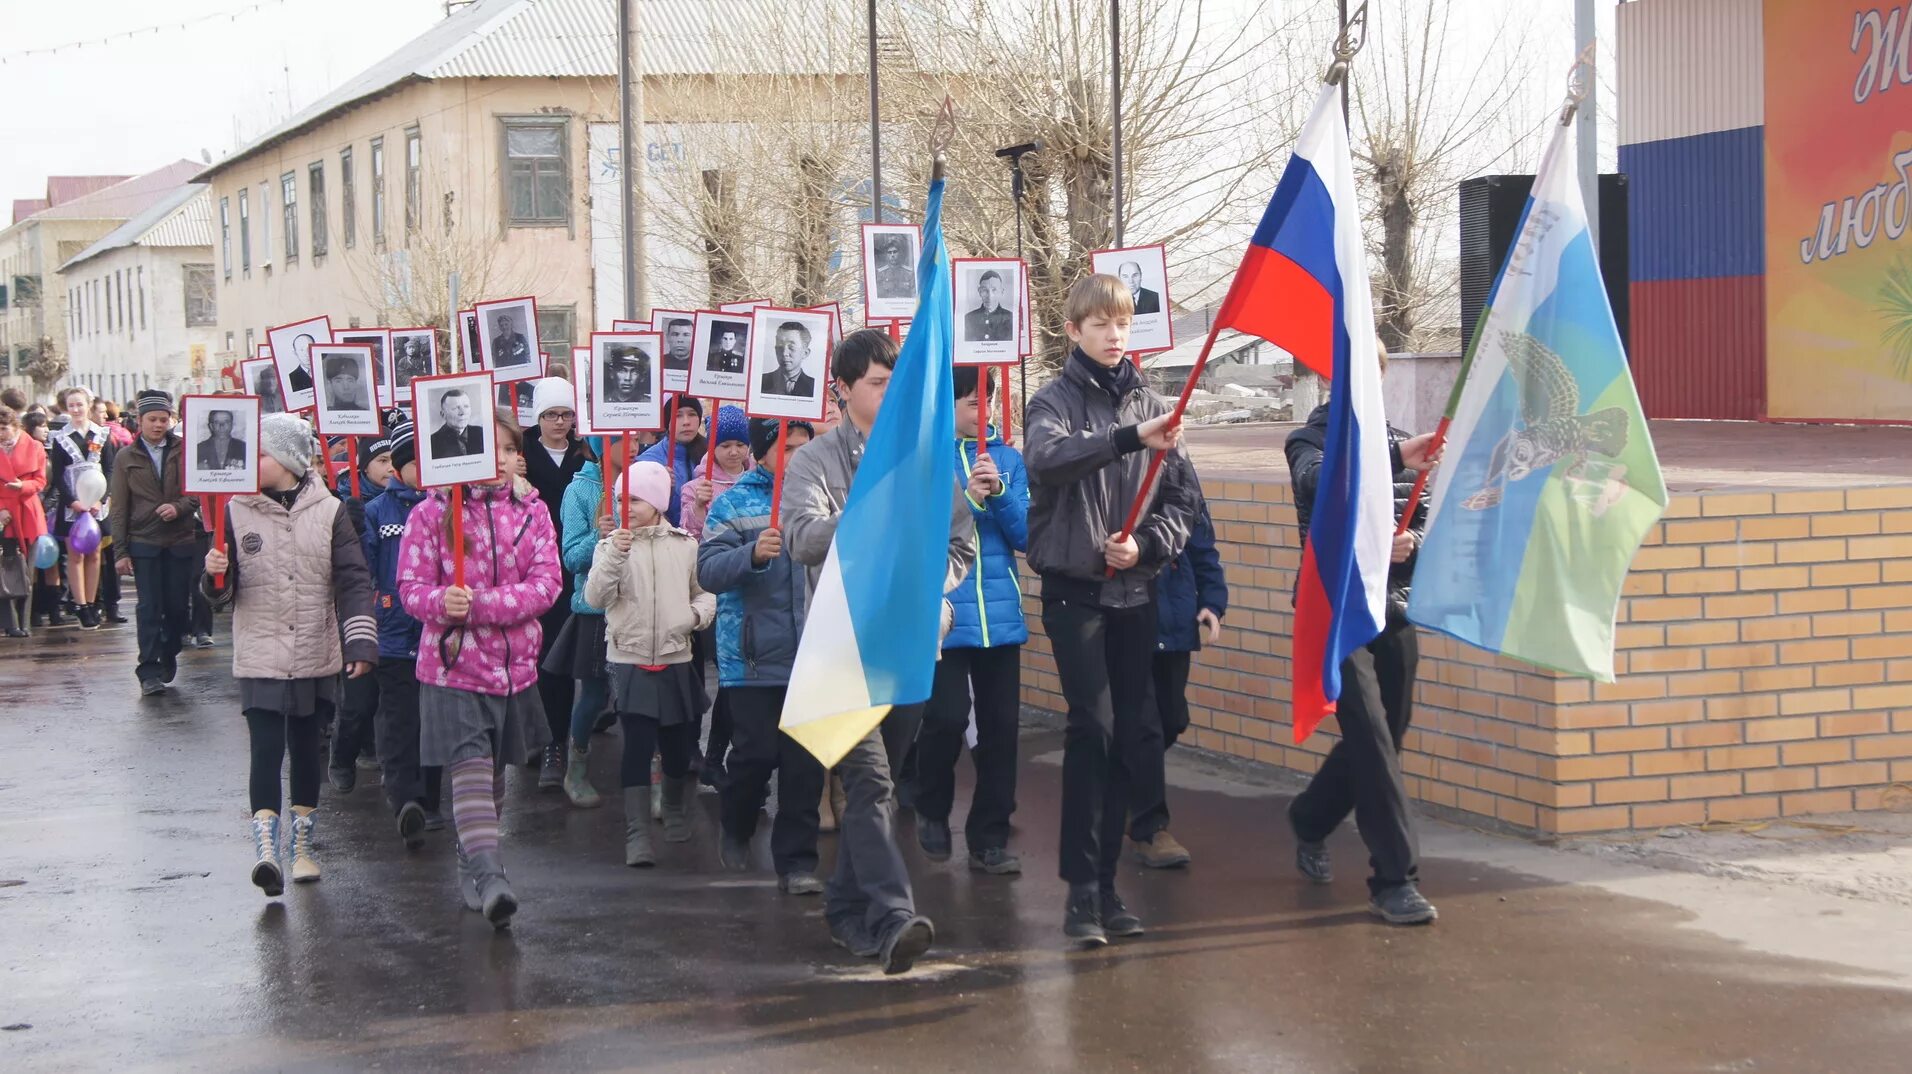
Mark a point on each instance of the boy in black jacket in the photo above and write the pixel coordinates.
(1085, 438)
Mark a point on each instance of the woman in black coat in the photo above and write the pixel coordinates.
(550, 460)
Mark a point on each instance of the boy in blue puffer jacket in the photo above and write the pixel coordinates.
(354, 735)
(762, 596)
(1191, 596)
(983, 653)
(411, 791)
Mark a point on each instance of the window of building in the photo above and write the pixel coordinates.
(315, 183)
(348, 198)
(142, 298)
(265, 225)
(537, 183)
(413, 181)
(556, 329)
(229, 343)
(112, 314)
(251, 351)
(378, 193)
(245, 233)
(202, 301)
(225, 236)
(289, 204)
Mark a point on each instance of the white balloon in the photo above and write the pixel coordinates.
(89, 488)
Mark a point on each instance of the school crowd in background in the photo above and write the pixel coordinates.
(646, 606)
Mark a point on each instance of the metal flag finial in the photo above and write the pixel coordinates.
(1579, 83)
(1349, 42)
(941, 133)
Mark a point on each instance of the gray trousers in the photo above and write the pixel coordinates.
(869, 894)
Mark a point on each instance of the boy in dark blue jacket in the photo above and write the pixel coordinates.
(983, 654)
(1191, 596)
(412, 792)
(354, 735)
(762, 596)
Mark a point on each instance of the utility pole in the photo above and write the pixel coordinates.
(876, 133)
(1588, 118)
(1115, 109)
(1342, 6)
(630, 80)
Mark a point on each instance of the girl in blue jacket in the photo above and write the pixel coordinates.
(583, 520)
(982, 655)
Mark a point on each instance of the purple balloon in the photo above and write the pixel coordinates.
(83, 536)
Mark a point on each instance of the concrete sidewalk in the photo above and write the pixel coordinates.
(130, 940)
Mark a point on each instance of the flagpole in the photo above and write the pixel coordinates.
(1353, 36)
(1579, 83)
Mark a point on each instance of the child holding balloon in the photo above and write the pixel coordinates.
(22, 519)
(82, 455)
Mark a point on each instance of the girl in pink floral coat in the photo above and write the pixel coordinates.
(478, 703)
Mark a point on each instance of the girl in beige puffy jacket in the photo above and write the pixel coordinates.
(644, 576)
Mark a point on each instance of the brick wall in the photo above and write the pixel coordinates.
(1764, 664)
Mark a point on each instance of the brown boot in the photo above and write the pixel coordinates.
(1161, 851)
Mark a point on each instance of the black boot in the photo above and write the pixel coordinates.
(10, 623)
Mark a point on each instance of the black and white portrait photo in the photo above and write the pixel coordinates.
(721, 344)
(474, 355)
(414, 355)
(508, 335)
(986, 296)
(789, 352)
(677, 327)
(1144, 271)
(380, 340)
(456, 438)
(292, 354)
(626, 368)
(581, 388)
(889, 269)
(220, 440)
(345, 391)
(258, 376)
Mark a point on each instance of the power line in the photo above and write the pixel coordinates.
(128, 35)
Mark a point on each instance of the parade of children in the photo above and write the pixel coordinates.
(648, 597)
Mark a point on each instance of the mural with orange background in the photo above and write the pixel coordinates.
(1839, 210)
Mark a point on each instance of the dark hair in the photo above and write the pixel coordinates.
(856, 351)
(989, 274)
(14, 399)
(33, 421)
(964, 380)
(508, 431)
(795, 326)
(339, 366)
(675, 321)
(7, 416)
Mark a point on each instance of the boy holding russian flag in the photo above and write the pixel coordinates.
(1085, 437)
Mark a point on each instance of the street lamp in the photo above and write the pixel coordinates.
(1013, 154)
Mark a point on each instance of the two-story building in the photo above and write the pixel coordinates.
(165, 334)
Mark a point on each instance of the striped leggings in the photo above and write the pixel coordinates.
(477, 797)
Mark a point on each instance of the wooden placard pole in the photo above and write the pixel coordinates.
(776, 484)
(458, 536)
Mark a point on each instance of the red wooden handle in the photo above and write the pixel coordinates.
(458, 536)
(776, 483)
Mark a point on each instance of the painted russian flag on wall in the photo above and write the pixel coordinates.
(1303, 286)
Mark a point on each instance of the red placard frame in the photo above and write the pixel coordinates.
(285, 379)
(752, 374)
(867, 262)
(955, 283)
(1168, 305)
(431, 355)
(657, 386)
(697, 333)
(658, 316)
(744, 306)
(185, 418)
(422, 432)
(536, 364)
(318, 412)
(379, 364)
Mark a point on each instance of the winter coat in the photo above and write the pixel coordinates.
(26, 463)
(551, 479)
(577, 518)
(354, 505)
(68, 449)
(1086, 464)
(650, 596)
(1304, 449)
(760, 609)
(385, 517)
(687, 508)
(1192, 582)
(136, 491)
(682, 463)
(511, 566)
(988, 603)
(298, 587)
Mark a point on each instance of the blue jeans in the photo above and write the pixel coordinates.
(588, 706)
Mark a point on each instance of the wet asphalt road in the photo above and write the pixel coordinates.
(131, 941)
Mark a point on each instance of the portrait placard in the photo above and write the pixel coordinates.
(629, 326)
(1144, 269)
(473, 358)
(742, 307)
(259, 377)
(345, 390)
(984, 295)
(457, 442)
(789, 361)
(676, 328)
(720, 343)
(219, 442)
(1024, 347)
(835, 310)
(626, 368)
(889, 269)
(508, 338)
(292, 355)
(581, 388)
(414, 355)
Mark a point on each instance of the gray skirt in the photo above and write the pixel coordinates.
(454, 725)
(671, 696)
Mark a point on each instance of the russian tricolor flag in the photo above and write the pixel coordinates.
(1303, 286)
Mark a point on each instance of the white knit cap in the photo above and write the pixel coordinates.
(288, 439)
(553, 393)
